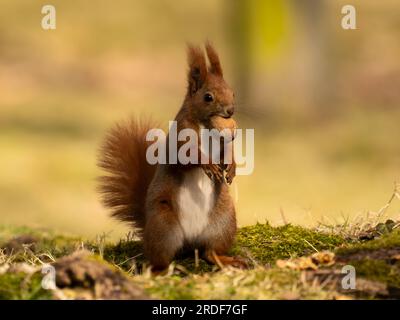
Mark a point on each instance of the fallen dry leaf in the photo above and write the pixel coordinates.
(313, 262)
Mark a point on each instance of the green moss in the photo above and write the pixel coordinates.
(45, 241)
(58, 246)
(261, 242)
(266, 244)
(373, 259)
(189, 264)
(124, 253)
(386, 241)
(258, 283)
(378, 270)
(17, 286)
(171, 288)
(7, 232)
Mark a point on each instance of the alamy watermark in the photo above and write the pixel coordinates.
(349, 18)
(349, 280)
(49, 278)
(49, 18)
(206, 146)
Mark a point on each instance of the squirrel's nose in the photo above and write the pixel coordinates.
(229, 111)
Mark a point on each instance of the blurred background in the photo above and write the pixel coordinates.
(324, 101)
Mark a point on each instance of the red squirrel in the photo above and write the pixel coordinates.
(176, 206)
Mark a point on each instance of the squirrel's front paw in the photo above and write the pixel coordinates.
(214, 172)
(230, 173)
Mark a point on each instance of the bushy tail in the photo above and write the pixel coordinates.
(128, 174)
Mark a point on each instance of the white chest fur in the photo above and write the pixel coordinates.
(195, 201)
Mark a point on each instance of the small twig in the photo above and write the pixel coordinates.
(134, 257)
(48, 255)
(283, 215)
(196, 258)
(171, 269)
(182, 269)
(316, 250)
(395, 194)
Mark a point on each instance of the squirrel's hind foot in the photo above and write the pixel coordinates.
(224, 261)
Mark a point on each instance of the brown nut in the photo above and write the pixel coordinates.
(227, 125)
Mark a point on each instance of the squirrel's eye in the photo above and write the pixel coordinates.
(208, 97)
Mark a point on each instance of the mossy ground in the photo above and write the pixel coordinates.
(15, 286)
(266, 244)
(262, 245)
(378, 259)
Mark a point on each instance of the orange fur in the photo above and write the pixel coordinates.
(123, 157)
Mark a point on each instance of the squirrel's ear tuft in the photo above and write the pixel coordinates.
(197, 68)
(215, 64)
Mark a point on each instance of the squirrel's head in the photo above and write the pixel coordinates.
(208, 93)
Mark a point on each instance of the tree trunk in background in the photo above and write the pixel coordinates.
(310, 69)
(311, 13)
(239, 35)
